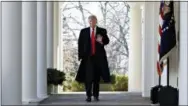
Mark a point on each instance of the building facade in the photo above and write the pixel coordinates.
(30, 44)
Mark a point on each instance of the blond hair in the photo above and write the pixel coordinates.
(92, 17)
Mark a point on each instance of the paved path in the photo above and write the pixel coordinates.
(106, 98)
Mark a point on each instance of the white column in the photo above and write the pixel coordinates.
(41, 50)
(57, 41)
(155, 78)
(49, 34)
(135, 56)
(148, 46)
(60, 36)
(11, 53)
(55, 32)
(173, 59)
(60, 40)
(59, 48)
(29, 52)
(0, 53)
(183, 55)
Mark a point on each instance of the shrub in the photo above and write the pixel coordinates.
(61, 77)
(106, 87)
(77, 86)
(67, 86)
(112, 77)
(121, 83)
(55, 77)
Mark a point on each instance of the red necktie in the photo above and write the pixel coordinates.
(93, 41)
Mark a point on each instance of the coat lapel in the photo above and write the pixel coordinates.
(89, 38)
(97, 31)
(88, 33)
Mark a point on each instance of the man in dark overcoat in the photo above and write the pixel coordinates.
(94, 64)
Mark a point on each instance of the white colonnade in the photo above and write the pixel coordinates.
(27, 35)
(135, 51)
(11, 53)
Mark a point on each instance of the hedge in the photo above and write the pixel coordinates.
(120, 83)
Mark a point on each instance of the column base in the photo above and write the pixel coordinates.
(28, 101)
(146, 94)
(135, 90)
(42, 97)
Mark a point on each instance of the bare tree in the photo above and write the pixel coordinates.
(115, 20)
(70, 38)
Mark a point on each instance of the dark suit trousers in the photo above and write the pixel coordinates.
(95, 74)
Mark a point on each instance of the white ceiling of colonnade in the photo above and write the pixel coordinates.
(94, 0)
(118, 0)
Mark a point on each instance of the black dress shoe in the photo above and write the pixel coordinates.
(96, 99)
(88, 99)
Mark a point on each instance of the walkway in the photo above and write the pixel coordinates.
(106, 98)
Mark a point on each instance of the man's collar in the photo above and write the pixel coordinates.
(94, 27)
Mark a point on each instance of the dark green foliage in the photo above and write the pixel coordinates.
(75, 86)
(55, 77)
(119, 83)
(112, 79)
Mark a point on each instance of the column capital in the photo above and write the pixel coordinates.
(136, 4)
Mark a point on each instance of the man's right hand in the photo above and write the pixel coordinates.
(99, 39)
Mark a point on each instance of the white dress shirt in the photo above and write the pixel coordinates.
(91, 29)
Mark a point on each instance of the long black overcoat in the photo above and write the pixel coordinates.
(84, 51)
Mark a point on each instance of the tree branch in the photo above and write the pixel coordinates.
(82, 12)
